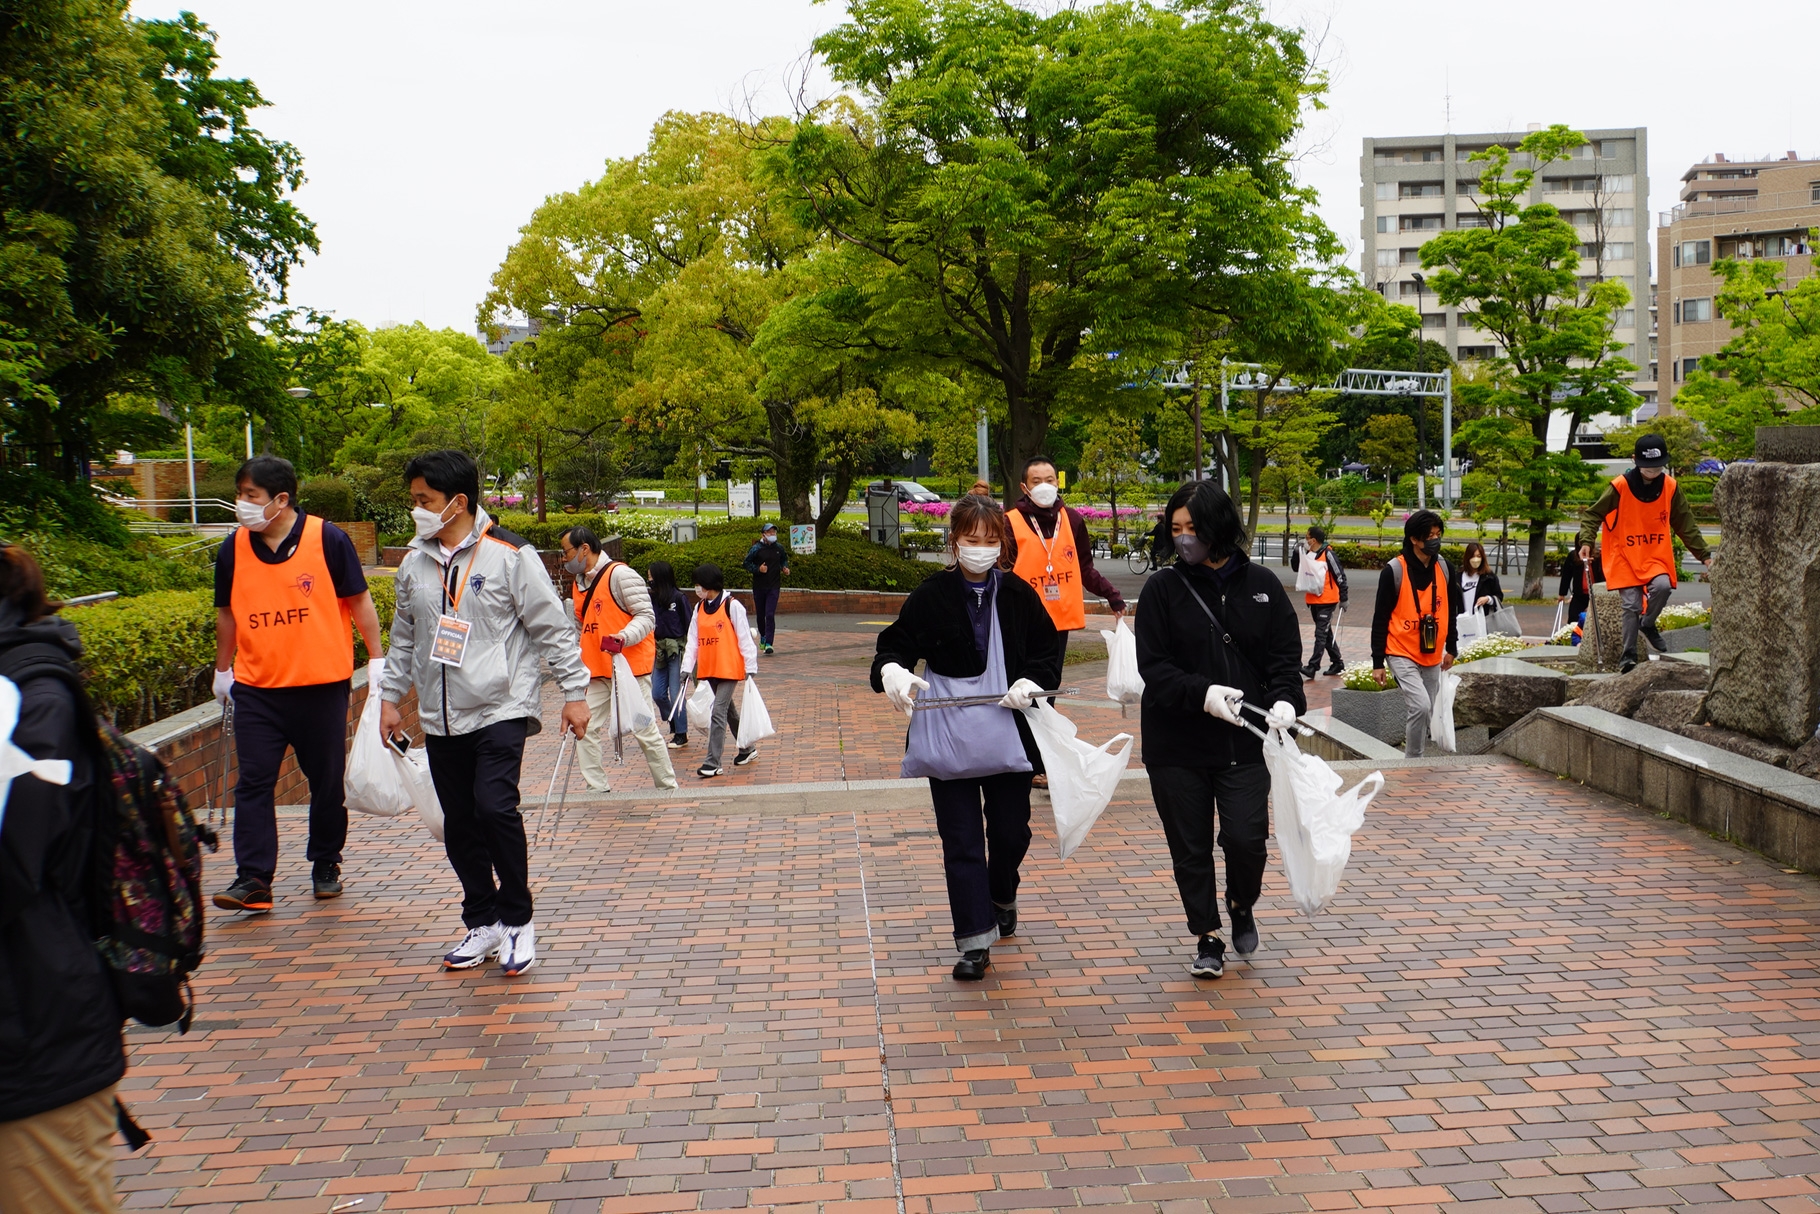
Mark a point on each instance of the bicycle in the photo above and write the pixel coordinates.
(1142, 557)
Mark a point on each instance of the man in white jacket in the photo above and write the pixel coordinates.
(613, 609)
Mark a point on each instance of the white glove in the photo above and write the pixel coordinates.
(224, 685)
(899, 684)
(1023, 694)
(1223, 702)
(1282, 715)
(375, 673)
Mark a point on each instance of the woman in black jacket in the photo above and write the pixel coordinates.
(980, 631)
(1214, 632)
(60, 1045)
(1475, 585)
(673, 609)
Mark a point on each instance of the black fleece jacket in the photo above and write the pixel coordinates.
(933, 626)
(59, 1020)
(1180, 657)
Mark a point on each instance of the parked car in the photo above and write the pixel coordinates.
(907, 491)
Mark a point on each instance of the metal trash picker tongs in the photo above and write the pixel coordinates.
(208, 786)
(1298, 729)
(563, 752)
(921, 703)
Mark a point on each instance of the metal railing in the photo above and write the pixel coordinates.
(1773, 200)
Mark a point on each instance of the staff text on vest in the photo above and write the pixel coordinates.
(275, 619)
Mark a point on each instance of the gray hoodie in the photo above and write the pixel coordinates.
(516, 624)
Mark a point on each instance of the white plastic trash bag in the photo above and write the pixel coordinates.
(1082, 778)
(15, 762)
(414, 771)
(1124, 684)
(631, 711)
(754, 719)
(1560, 619)
(1311, 573)
(373, 784)
(1469, 626)
(1440, 713)
(1315, 821)
(701, 706)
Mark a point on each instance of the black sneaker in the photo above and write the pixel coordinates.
(1653, 635)
(1309, 672)
(1244, 930)
(248, 894)
(1209, 958)
(745, 756)
(1007, 920)
(1627, 665)
(1336, 669)
(708, 773)
(326, 880)
(973, 965)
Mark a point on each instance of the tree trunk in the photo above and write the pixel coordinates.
(1113, 494)
(542, 513)
(794, 454)
(837, 497)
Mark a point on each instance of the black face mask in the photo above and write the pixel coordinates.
(1432, 547)
(1191, 547)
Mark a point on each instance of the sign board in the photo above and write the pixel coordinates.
(742, 499)
(802, 537)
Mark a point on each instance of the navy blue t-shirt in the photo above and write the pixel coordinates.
(337, 550)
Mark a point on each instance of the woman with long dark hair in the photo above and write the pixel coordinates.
(673, 609)
(1216, 636)
(1475, 586)
(980, 632)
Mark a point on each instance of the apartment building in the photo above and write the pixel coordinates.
(1754, 208)
(1414, 188)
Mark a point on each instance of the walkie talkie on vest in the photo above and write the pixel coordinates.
(1429, 626)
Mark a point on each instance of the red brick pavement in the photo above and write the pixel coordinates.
(1527, 997)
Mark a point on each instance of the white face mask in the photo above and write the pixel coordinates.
(977, 558)
(429, 523)
(1044, 494)
(252, 515)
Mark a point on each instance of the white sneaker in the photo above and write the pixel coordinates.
(517, 950)
(475, 947)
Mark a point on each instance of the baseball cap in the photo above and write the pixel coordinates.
(1652, 451)
(768, 529)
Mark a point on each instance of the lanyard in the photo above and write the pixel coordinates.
(454, 597)
(1036, 527)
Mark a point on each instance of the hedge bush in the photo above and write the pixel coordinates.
(839, 562)
(630, 524)
(328, 497)
(75, 566)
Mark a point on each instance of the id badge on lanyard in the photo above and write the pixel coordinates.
(450, 645)
(1052, 591)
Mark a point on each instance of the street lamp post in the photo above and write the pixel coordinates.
(1421, 401)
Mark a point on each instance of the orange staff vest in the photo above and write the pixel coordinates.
(1052, 567)
(1634, 541)
(605, 618)
(717, 654)
(284, 635)
(1330, 586)
(1405, 636)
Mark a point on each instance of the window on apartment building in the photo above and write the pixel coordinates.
(1384, 224)
(1745, 246)
(1788, 246)
(1613, 250)
(1463, 353)
(1411, 257)
(1813, 191)
(1415, 156)
(1387, 191)
(1583, 152)
(1689, 366)
(1694, 253)
(1652, 349)
(1611, 149)
(1419, 189)
(1620, 217)
(1387, 257)
(1693, 311)
(1471, 219)
(1419, 223)
(1434, 320)
(1627, 318)
(1466, 189)
(1620, 183)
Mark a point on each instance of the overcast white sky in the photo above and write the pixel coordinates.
(431, 130)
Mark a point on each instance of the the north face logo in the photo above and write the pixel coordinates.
(306, 582)
(1652, 453)
(1261, 598)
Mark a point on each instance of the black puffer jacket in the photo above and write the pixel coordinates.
(1180, 657)
(934, 626)
(59, 1021)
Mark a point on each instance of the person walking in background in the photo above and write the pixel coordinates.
(1323, 605)
(614, 611)
(477, 617)
(1412, 626)
(671, 609)
(981, 631)
(286, 660)
(719, 651)
(769, 563)
(59, 1016)
(1054, 554)
(1628, 529)
(1573, 589)
(1214, 632)
(1476, 587)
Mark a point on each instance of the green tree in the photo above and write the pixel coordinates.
(1389, 445)
(1769, 373)
(1023, 196)
(1518, 279)
(1109, 461)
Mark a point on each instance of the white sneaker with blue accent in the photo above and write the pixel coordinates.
(475, 947)
(518, 950)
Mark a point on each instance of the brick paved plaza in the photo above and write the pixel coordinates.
(1527, 997)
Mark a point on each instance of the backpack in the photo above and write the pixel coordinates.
(145, 898)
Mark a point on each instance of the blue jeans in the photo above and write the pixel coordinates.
(666, 689)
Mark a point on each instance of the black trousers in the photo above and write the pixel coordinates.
(764, 599)
(981, 853)
(1187, 799)
(476, 778)
(313, 721)
(1324, 640)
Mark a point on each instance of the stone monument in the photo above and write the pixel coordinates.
(1605, 618)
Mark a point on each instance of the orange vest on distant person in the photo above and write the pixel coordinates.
(1330, 585)
(284, 635)
(1634, 542)
(1052, 567)
(717, 654)
(1405, 636)
(607, 618)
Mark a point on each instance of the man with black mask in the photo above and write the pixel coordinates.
(1412, 626)
(1629, 528)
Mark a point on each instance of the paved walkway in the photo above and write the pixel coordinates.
(1526, 997)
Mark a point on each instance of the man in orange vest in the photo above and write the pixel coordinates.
(1412, 625)
(1324, 604)
(1629, 528)
(285, 658)
(613, 609)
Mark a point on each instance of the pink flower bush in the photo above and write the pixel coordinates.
(931, 509)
